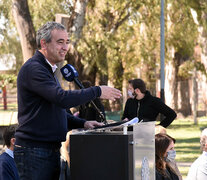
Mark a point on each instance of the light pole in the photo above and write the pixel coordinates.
(162, 52)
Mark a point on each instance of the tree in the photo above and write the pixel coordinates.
(105, 40)
(25, 27)
(181, 36)
(31, 14)
(199, 13)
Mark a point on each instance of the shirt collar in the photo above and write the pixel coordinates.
(204, 153)
(10, 152)
(54, 67)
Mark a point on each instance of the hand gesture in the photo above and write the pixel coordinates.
(110, 93)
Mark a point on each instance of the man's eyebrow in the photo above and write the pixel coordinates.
(68, 40)
(60, 40)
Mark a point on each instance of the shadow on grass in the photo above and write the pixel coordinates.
(188, 149)
(188, 140)
(186, 126)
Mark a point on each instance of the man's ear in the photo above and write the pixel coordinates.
(137, 91)
(12, 141)
(43, 43)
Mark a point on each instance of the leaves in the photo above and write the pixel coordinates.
(6, 79)
(122, 36)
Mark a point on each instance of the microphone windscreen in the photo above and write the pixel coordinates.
(69, 72)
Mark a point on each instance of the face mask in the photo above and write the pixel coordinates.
(171, 155)
(130, 94)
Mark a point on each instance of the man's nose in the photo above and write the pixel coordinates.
(65, 46)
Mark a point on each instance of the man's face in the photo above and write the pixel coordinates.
(56, 50)
(130, 87)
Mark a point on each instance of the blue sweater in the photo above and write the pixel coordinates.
(42, 103)
(8, 169)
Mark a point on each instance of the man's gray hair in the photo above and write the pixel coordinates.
(44, 32)
(203, 139)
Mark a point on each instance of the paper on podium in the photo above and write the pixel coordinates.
(110, 126)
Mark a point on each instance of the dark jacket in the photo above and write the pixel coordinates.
(172, 175)
(147, 109)
(8, 169)
(88, 112)
(42, 104)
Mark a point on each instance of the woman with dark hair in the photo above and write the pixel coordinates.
(164, 153)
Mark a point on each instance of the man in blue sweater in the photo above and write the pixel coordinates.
(42, 103)
(8, 169)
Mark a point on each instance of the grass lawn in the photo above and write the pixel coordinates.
(187, 137)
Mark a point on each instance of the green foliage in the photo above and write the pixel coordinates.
(110, 39)
(182, 34)
(6, 79)
(186, 69)
(200, 6)
(119, 36)
(41, 12)
(9, 45)
(10, 49)
(44, 10)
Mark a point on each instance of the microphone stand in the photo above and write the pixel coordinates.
(100, 114)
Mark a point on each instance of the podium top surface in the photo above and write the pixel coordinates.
(105, 133)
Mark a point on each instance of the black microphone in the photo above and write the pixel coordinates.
(70, 74)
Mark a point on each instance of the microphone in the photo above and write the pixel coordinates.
(70, 74)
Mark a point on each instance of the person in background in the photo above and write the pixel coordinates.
(198, 170)
(160, 129)
(146, 107)
(8, 169)
(87, 111)
(164, 153)
(42, 104)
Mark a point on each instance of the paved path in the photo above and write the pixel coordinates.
(8, 117)
(184, 164)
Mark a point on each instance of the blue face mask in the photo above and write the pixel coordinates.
(171, 155)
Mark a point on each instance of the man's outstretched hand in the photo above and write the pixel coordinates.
(110, 93)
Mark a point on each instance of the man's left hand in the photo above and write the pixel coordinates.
(92, 124)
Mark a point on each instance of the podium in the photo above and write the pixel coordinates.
(113, 155)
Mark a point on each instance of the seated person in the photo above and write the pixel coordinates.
(146, 107)
(172, 163)
(160, 129)
(164, 153)
(198, 170)
(8, 169)
(87, 111)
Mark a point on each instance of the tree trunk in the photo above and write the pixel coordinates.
(77, 21)
(4, 97)
(203, 44)
(124, 92)
(170, 85)
(171, 80)
(75, 26)
(25, 27)
(183, 89)
(195, 96)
